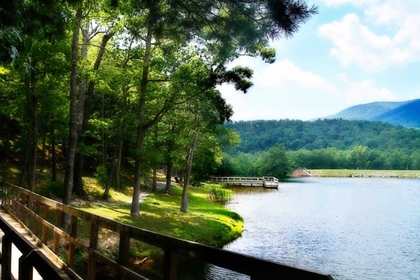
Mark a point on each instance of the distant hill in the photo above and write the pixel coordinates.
(405, 113)
(320, 134)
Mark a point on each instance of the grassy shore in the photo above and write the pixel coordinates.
(365, 173)
(206, 222)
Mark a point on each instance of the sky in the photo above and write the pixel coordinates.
(352, 52)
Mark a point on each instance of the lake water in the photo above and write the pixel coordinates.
(351, 228)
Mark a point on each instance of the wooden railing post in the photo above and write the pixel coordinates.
(56, 236)
(6, 256)
(170, 265)
(72, 246)
(94, 230)
(26, 269)
(46, 213)
(124, 249)
(36, 221)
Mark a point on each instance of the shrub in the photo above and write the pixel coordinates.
(219, 194)
(51, 189)
(101, 175)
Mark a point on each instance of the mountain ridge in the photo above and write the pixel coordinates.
(404, 113)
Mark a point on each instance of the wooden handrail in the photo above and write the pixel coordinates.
(26, 205)
(31, 256)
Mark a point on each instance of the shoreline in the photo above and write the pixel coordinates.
(364, 173)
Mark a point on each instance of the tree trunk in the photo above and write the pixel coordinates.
(78, 160)
(135, 205)
(87, 104)
(154, 182)
(168, 188)
(118, 167)
(155, 164)
(53, 158)
(184, 201)
(44, 152)
(27, 153)
(25, 165)
(117, 156)
(71, 153)
(33, 136)
(112, 172)
(6, 139)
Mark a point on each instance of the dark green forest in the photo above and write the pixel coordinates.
(320, 144)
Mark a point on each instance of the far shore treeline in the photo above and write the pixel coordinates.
(278, 147)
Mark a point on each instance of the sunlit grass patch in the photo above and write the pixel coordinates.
(206, 222)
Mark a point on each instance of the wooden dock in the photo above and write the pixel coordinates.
(266, 181)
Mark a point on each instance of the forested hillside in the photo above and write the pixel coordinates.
(311, 135)
(278, 147)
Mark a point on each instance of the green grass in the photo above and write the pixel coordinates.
(206, 222)
(365, 173)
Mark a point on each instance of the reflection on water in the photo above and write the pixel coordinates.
(351, 228)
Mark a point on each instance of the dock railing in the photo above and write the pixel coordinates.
(34, 210)
(265, 181)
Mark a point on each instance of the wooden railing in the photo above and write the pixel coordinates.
(248, 181)
(31, 256)
(34, 211)
(238, 180)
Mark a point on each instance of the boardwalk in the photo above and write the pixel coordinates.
(8, 220)
(266, 181)
(33, 210)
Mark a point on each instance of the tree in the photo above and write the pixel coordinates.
(247, 27)
(28, 32)
(359, 156)
(276, 162)
(75, 110)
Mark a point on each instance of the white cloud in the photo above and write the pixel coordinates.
(356, 3)
(283, 90)
(285, 73)
(366, 91)
(355, 42)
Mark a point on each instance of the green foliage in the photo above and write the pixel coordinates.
(275, 163)
(218, 193)
(50, 189)
(311, 135)
(101, 175)
(130, 66)
(359, 156)
(322, 144)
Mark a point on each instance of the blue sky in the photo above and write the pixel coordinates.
(352, 52)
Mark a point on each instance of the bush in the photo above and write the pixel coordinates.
(51, 189)
(219, 194)
(101, 175)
